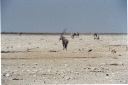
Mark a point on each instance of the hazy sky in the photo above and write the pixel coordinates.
(56, 15)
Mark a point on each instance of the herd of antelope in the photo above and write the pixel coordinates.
(66, 41)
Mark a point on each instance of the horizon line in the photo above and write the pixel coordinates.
(57, 33)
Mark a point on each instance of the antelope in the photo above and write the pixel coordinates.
(113, 51)
(74, 34)
(96, 36)
(64, 42)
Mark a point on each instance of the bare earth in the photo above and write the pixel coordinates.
(40, 59)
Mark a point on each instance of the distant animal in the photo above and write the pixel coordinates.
(96, 36)
(74, 34)
(90, 50)
(64, 41)
(113, 51)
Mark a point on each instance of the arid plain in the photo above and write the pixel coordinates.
(40, 59)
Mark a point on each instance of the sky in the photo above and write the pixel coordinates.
(106, 16)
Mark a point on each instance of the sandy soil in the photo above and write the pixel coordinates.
(40, 59)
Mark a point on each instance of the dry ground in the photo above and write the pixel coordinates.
(39, 59)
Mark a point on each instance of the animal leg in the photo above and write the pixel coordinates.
(63, 46)
(66, 45)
